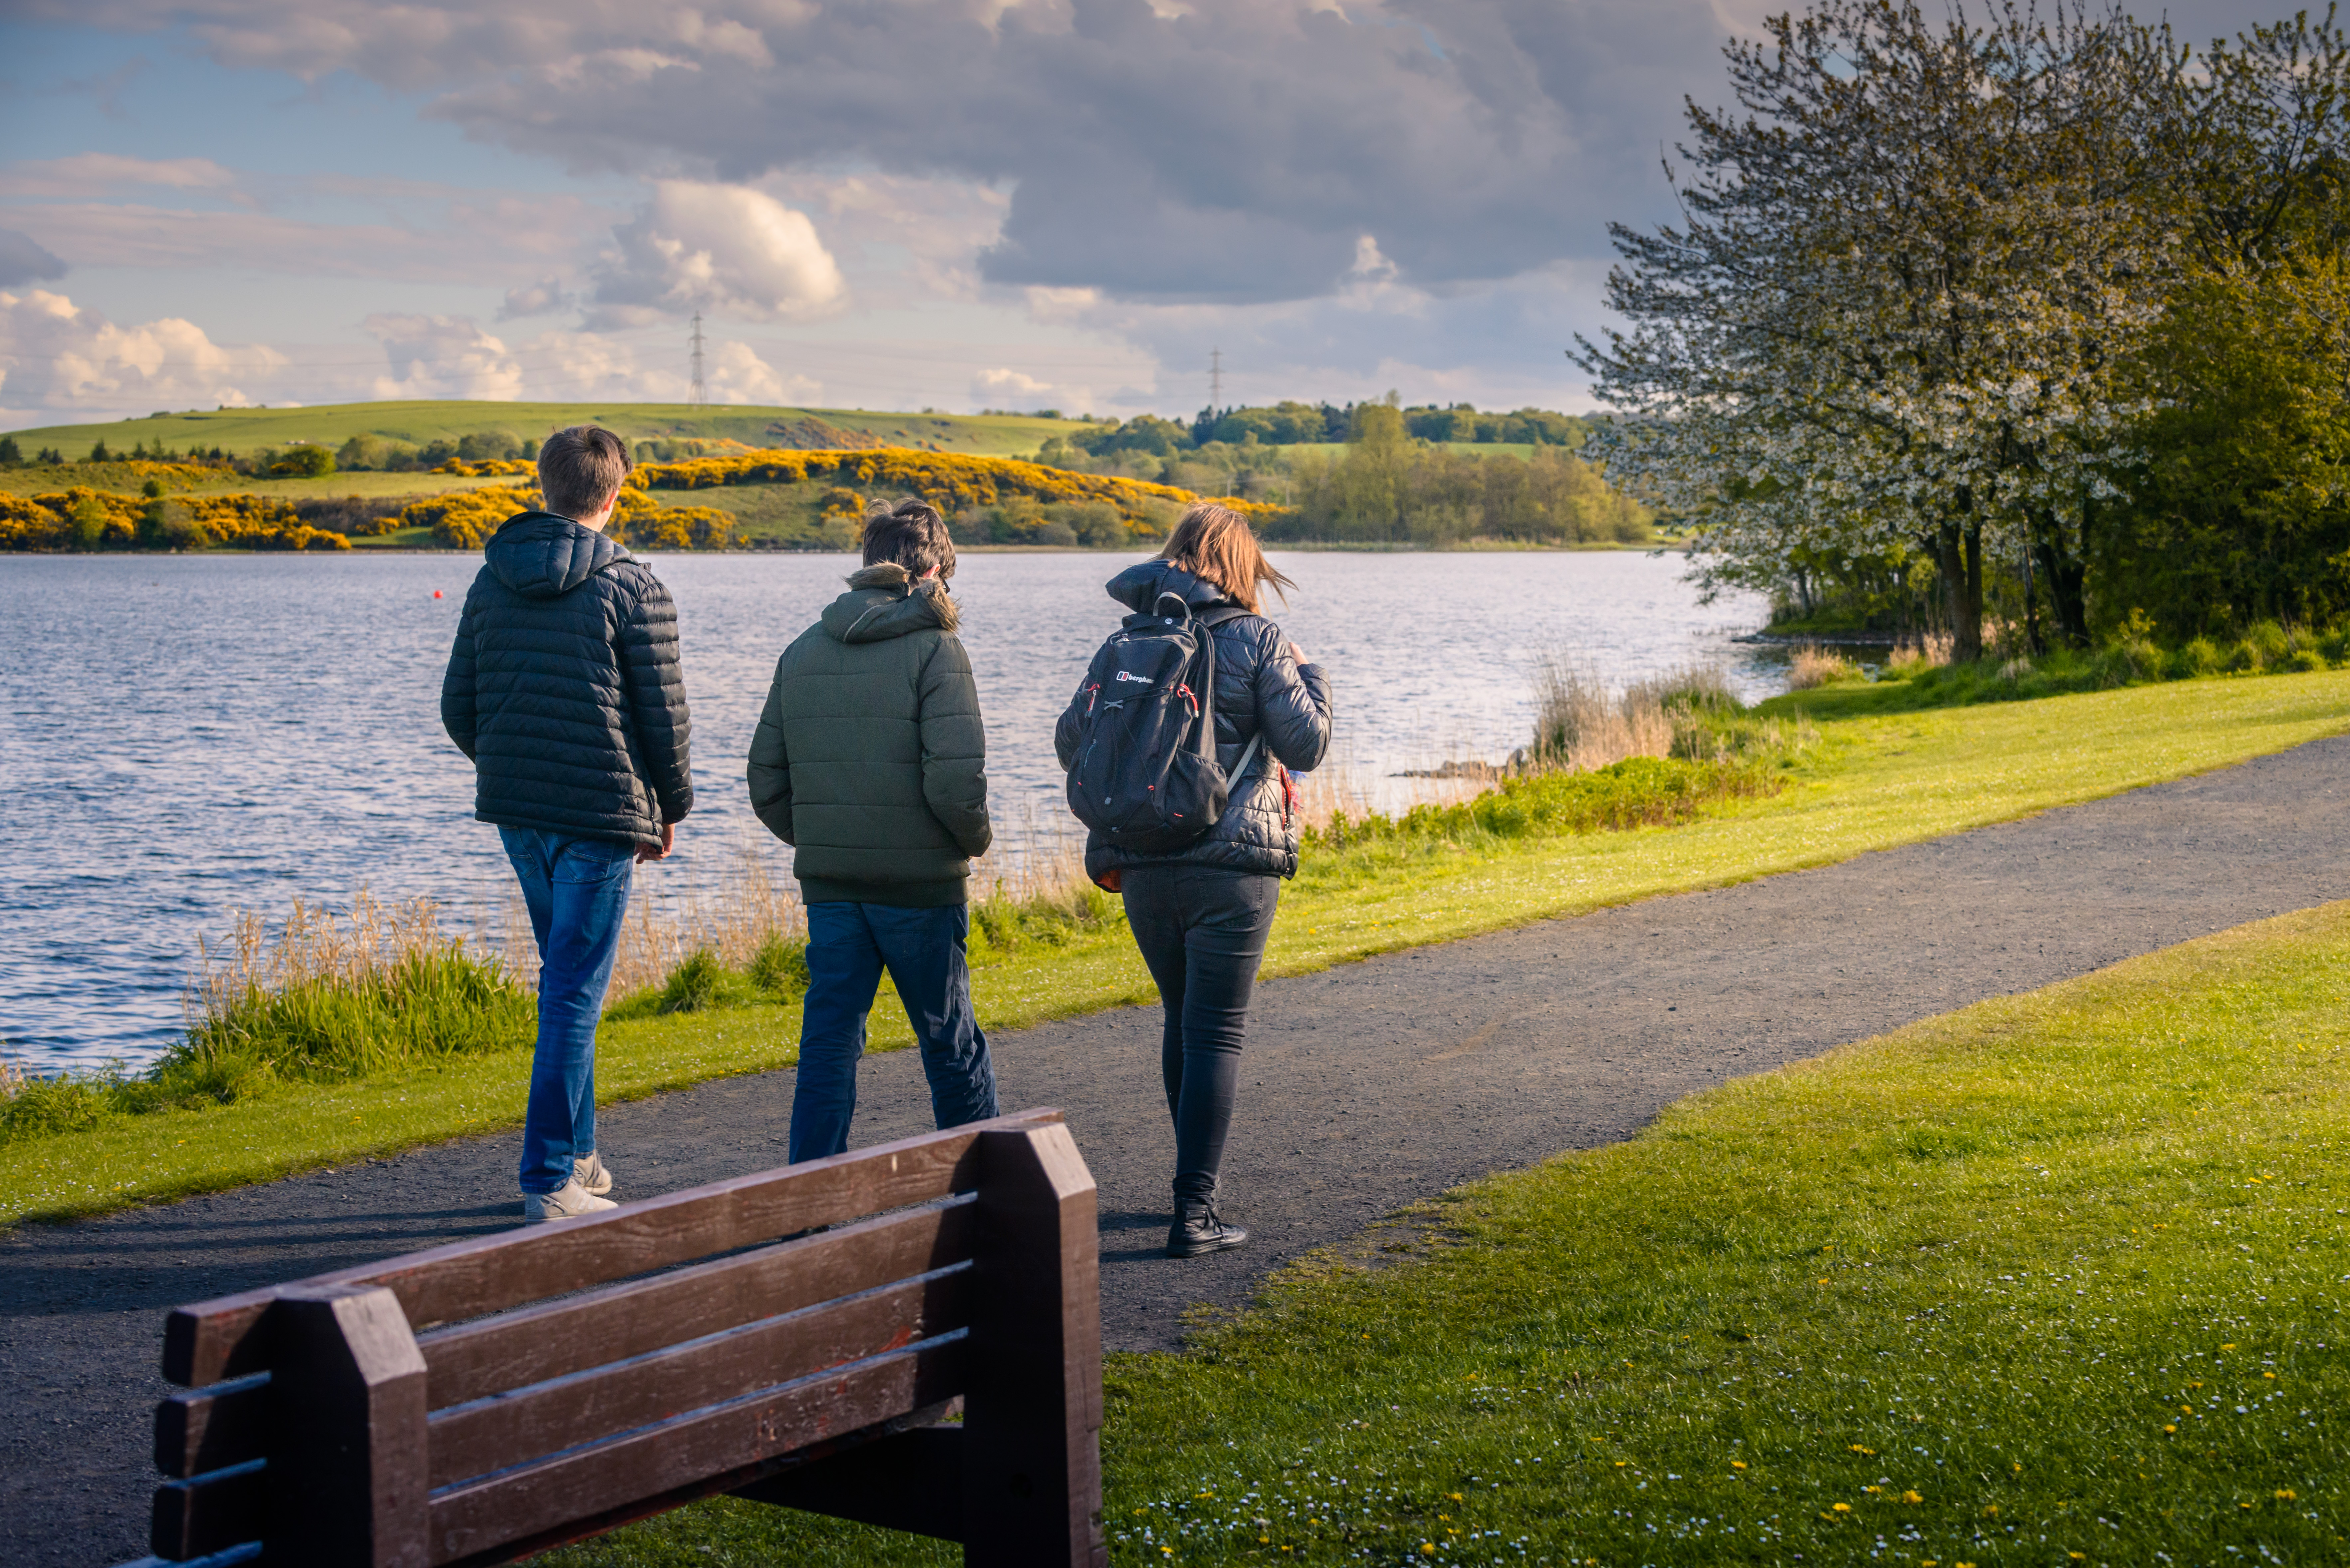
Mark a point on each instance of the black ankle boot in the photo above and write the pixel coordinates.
(1197, 1230)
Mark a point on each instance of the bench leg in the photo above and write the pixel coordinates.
(348, 1476)
(1032, 1413)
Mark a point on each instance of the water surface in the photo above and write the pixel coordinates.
(188, 736)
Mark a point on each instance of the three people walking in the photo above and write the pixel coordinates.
(566, 691)
(565, 687)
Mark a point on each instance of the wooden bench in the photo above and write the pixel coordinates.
(482, 1401)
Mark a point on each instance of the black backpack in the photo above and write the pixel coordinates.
(1144, 773)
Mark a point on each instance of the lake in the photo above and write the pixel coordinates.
(190, 736)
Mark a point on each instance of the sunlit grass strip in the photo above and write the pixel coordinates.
(326, 1000)
(2057, 1278)
(1873, 782)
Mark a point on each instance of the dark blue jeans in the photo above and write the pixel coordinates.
(848, 947)
(577, 892)
(1202, 934)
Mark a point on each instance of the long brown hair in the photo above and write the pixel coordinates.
(1215, 544)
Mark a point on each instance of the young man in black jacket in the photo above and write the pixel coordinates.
(566, 690)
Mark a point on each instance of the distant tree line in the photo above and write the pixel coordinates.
(1390, 487)
(1396, 481)
(1291, 423)
(389, 454)
(2031, 325)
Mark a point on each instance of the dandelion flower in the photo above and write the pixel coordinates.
(1912, 1497)
(1843, 1508)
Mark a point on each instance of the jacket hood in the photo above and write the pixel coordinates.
(883, 602)
(541, 556)
(1138, 586)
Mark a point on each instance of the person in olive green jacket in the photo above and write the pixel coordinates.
(870, 761)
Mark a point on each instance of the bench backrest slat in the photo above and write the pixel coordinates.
(224, 1338)
(212, 1428)
(521, 1505)
(493, 1355)
(209, 1513)
(489, 1435)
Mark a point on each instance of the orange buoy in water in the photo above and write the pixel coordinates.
(436, 593)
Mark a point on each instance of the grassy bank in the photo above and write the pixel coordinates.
(240, 430)
(2059, 1278)
(1870, 782)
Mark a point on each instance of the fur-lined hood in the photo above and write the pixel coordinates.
(883, 602)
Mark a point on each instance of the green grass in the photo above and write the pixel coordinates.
(239, 430)
(2057, 1278)
(1873, 781)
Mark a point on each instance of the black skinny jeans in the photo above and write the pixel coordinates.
(1203, 932)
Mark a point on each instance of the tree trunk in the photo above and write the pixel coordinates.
(1957, 549)
(2067, 581)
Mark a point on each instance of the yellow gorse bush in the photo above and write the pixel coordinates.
(951, 481)
(488, 468)
(101, 520)
(464, 519)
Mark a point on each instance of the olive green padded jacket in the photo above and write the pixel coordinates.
(869, 759)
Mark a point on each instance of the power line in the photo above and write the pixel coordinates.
(698, 397)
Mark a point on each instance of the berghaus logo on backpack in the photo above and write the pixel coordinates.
(1145, 774)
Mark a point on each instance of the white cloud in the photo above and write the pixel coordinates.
(443, 357)
(86, 173)
(540, 299)
(1008, 389)
(57, 354)
(470, 238)
(728, 250)
(451, 356)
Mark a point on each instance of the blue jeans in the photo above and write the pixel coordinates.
(848, 947)
(577, 891)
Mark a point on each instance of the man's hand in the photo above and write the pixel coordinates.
(647, 852)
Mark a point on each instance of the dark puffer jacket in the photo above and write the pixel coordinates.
(565, 687)
(1259, 689)
(869, 759)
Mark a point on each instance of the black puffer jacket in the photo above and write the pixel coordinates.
(1259, 688)
(565, 687)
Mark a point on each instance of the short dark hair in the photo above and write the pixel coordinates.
(581, 468)
(911, 533)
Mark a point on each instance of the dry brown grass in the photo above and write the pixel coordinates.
(730, 918)
(1580, 723)
(1926, 650)
(1815, 666)
(313, 944)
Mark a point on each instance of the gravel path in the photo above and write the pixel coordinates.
(1367, 1087)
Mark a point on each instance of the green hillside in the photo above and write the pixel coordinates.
(240, 430)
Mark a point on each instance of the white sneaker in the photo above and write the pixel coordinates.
(589, 1171)
(568, 1201)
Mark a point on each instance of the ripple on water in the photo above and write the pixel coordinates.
(190, 736)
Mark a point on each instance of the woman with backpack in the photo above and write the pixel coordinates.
(1199, 690)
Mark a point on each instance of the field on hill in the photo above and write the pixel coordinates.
(240, 430)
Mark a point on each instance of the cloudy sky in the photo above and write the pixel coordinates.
(893, 203)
